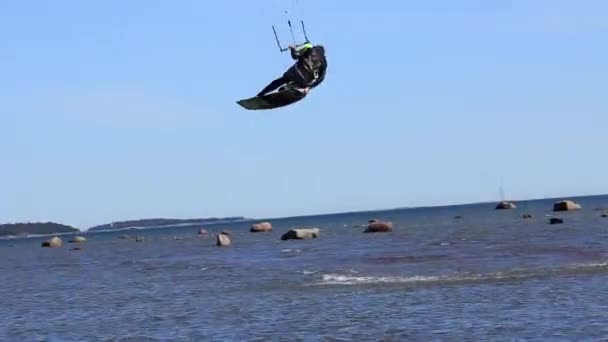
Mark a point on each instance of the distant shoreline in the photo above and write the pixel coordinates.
(176, 223)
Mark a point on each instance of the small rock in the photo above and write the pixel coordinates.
(139, 239)
(604, 215)
(203, 231)
(526, 216)
(223, 240)
(300, 234)
(379, 227)
(262, 227)
(566, 206)
(78, 239)
(458, 217)
(555, 220)
(55, 242)
(505, 205)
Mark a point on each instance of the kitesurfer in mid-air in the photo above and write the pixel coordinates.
(307, 73)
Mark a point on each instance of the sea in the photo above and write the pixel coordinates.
(451, 273)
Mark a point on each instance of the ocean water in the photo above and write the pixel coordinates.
(489, 275)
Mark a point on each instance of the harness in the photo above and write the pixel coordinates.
(312, 63)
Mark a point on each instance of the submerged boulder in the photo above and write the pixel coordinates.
(566, 206)
(223, 240)
(262, 227)
(55, 242)
(300, 234)
(505, 205)
(376, 226)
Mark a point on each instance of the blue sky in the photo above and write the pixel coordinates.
(113, 110)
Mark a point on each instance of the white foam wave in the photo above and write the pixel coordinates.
(330, 279)
(307, 272)
(591, 265)
(349, 279)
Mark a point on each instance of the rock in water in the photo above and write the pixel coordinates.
(566, 206)
(379, 227)
(223, 240)
(556, 221)
(54, 243)
(203, 231)
(262, 227)
(505, 205)
(300, 234)
(78, 239)
(526, 216)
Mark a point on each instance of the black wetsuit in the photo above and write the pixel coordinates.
(309, 70)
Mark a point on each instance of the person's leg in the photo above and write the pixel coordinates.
(273, 85)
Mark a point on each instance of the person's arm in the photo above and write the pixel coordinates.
(298, 50)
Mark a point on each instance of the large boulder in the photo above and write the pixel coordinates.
(300, 234)
(505, 205)
(223, 240)
(566, 206)
(55, 242)
(376, 226)
(262, 227)
(78, 239)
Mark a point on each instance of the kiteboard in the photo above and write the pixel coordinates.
(286, 95)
